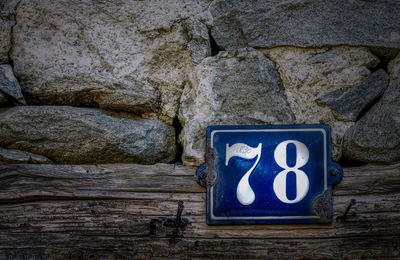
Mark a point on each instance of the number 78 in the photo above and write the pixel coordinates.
(245, 193)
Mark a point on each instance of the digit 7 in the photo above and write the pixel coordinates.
(244, 192)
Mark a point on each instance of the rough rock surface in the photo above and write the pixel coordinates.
(8, 156)
(394, 68)
(347, 103)
(279, 62)
(83, 135)
(7, 21)
(231, 88)
(199, 44)
(376, 136)
(130, 56)
(7, 7)
(308, 74)
(5, 39)
(306, 23)
(9, 84)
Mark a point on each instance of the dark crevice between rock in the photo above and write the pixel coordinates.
(178, 129)
(14, 18)
(11, 101)
(345, 162)
(385, 55)
(8, 103)
(10, 60)
(215, 49)
(29, 98)
(368, 107)
(382, 65)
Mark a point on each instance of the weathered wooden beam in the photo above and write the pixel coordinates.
(124, 211)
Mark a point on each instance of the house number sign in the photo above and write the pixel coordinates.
(269, 174)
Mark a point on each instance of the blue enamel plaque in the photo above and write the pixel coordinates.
(269, 174)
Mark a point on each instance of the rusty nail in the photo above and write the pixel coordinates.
(334, 171)
(351, 203)
(179, 213)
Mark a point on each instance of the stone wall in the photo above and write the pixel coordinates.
(139, 81)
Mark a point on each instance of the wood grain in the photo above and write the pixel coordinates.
(122, 211)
